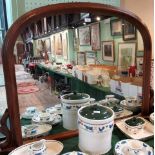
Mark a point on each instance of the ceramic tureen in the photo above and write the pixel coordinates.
(95, 124)
(70, 104)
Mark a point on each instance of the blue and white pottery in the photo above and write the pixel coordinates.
(95, 132)
(70, 104)
(132, 147)
(152, 117)
(75, 153)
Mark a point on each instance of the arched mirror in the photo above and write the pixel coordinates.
(88, 48)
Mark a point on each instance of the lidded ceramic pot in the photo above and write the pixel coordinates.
(95, 123)
(70, 104)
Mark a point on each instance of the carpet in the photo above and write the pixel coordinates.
(28, 89)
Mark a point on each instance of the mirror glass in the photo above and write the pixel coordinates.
(88, 53)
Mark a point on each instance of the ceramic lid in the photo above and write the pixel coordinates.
(96, 112)
(75, 96)
(135, 121)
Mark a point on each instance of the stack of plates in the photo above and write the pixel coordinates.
(132, 147)
(152, 118)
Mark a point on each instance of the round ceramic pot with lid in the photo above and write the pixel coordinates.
(70, 104)
(95, 123)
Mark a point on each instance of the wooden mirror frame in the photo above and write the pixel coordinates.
(13, 136)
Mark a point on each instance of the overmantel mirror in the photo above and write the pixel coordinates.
(109, 40)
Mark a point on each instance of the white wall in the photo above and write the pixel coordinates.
(145, 10)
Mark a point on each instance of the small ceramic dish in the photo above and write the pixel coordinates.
(152, 117)
(134, 124)
(132, 147)
(30, 129)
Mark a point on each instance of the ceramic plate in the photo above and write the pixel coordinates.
(53, 148)
(125, 147)
(42, 129)
(152, 118)
(143, 134)
(75, 153)
(36, 119)
(53, 110)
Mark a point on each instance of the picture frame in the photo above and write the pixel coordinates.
(116, 27)
(75, 39)
(95, 37)
(65, 45)
(139, 65)
(81, 58)
(58, 44)
(129, 31)
(84, 36)
(90, 58)
(126, 56)
(108, 51)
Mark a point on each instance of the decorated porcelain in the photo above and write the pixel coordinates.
(118, 110)
(31, 110)
(53, 147)
(75, 153)
(58, 106)
(152, 118)
(43, 117)
(131, 100)
(134, 124)
(70, 104)
(51, 110)
(38, 148)
(131, 107)
(95, 123)
(35, 130)
(132, 147)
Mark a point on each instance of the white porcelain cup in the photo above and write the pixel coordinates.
(31, 110)
(131, 100)
(135, 148)
(44, 116)
(38, 147)
(31, 129)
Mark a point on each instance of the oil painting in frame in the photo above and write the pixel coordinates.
(65, 45)
(108, 51)
(58, 44)
(126, 55)
(95, 37)
(90, 58)
(84, 36)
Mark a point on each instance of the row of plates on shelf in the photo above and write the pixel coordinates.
(123, 147)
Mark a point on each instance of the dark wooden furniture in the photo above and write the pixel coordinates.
(13, 136)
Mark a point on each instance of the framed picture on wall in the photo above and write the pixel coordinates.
(108, 50)
(48, 45)
(81, 58)
(126, 56)
(129, 31)
(75, 40)
(58, 44)
(116, 27)
(90, 58)
(95, 37)
(65, 45)
(84, 35)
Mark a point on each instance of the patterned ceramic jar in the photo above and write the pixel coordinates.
(95, 124)
(70, 104)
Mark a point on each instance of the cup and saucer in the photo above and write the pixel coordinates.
(43, 117)
(30, 111)
(132, 147)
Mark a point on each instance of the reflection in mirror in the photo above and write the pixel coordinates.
(88, 53)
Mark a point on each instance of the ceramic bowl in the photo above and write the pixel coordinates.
(134, 124)
(31, 110)
(38, 148)
(75, 153)
(131, 100)
(95, 123)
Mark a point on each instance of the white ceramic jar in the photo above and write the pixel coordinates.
(95, 123)
(70, 104)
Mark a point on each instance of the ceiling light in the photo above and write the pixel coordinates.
(98, 18)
